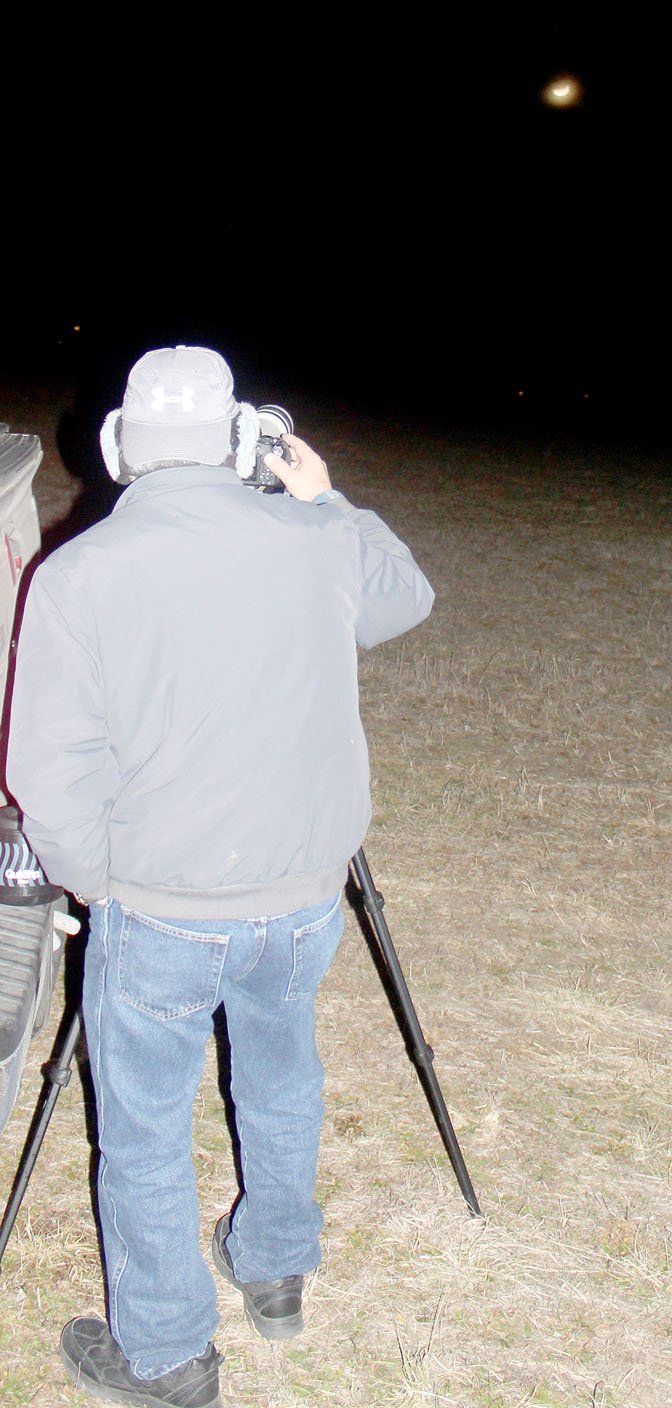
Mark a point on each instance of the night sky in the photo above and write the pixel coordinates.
(391, 219)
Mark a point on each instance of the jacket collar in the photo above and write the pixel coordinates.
(174, 477)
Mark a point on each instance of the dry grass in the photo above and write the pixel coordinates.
(521, 767)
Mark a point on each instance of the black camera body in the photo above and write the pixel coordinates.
(262, 476)
(274, 421)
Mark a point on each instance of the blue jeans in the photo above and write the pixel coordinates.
(150, 989)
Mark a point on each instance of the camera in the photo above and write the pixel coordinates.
(274, 421)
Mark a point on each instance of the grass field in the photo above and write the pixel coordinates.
(521, 767)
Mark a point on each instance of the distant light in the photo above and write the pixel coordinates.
(562, 92)
(586, 395)
(77, 327)
(520, 393)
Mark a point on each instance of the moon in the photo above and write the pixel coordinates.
(565, 91)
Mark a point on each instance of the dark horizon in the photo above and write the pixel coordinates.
(435, 388)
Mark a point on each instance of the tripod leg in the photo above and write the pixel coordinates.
(56, 1074)
(422, 1054)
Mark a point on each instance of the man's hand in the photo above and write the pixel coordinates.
(306, 476)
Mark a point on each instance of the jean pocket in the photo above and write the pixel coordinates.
(167, 972)
(314, 947)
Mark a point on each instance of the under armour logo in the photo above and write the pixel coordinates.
(161, 399)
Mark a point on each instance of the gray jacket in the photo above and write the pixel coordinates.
(185, 731)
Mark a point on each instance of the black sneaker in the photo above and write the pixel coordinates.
(96, 1364)
(274, 1307)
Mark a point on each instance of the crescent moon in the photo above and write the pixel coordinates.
(562, 92)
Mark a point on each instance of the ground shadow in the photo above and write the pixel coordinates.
(79, 448)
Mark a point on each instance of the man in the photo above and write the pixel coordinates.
(187, 751)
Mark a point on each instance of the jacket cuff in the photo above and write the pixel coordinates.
(327, 496)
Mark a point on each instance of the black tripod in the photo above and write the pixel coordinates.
(420, 1053)
(58, 1071)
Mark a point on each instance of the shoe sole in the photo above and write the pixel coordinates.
(281, 1328)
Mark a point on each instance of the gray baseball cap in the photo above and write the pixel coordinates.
(178, 405)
